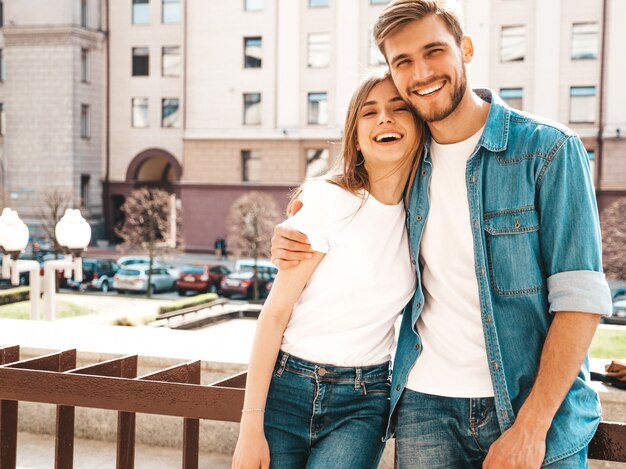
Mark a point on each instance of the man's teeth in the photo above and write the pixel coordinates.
(429, 90)
(388, 137)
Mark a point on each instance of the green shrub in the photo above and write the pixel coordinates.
(14, 295)
(187, 302)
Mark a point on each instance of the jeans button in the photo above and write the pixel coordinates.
(321, 371)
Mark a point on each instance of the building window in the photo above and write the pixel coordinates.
(85, 125)
(376, 57)
(170, 115)
(3, 120)
(582, 104)
(318, 50)
(251, 108)
(1, 64)
(141, 61)
(592, 163)
(250, 166)
(83, 13)
(84, 189)
(170, 61)
(252, 52)
(141, 11)
(1, 14)
(318, 3)
(170, 11)
(253, 5)
(513, 97)
(318, 108)
(584, 41)
(316, 162)
(84, 65)
(140, 118)
(513, 43)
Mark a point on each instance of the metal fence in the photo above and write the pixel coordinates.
(175, 391)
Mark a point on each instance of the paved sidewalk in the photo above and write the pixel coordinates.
(37, 452)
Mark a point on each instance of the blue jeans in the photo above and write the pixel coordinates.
(320, 416)
(438, 432)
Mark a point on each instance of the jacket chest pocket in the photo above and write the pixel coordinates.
(513, 252)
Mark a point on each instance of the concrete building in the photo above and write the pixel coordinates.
(261, 90)
(211, 99)
(560, 59)
(51, 105)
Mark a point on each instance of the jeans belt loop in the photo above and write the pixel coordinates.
(283, 364)
(358, 379)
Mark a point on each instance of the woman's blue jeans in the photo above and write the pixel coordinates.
(322, 416)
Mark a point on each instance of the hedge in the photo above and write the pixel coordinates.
(14, 295)
(187, 302)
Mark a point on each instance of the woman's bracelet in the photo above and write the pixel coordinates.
(252, 410)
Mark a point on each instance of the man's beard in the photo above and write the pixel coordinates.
(431, 115)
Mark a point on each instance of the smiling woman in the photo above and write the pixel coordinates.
(320, 323)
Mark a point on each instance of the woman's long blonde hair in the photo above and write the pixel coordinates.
(349, 172)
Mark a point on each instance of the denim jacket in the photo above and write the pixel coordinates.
(537, 250)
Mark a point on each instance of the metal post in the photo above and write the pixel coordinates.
(49, 283)
(32, 267)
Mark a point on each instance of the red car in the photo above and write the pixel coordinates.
(240, 283)
(201, 278)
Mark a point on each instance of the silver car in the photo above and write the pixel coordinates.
(135, 278)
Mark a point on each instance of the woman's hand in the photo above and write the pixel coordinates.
(252, 450)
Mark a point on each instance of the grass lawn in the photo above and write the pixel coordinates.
(609, 343)
(21, 310)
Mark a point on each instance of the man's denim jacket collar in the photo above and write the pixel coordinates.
(531, 200)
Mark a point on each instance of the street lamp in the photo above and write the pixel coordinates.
(13, 240)
(73, 234)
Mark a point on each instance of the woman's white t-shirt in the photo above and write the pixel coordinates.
(345, 315)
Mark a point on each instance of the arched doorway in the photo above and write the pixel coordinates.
(154, 165)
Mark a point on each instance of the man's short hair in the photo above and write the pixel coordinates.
(401, 12)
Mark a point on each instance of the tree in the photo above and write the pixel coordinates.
(251, 222)
(613, 221)
(147, 224)
(50, 211)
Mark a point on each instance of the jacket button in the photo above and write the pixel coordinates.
(418, 218)
(321, 371)
(398, 387)
(424, 173)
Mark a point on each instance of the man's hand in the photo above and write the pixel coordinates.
(520, 447)
(289, 247)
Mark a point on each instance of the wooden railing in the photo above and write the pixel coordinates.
(176, 391)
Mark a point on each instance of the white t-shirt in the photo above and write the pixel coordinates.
(345, 315)
(453, 361)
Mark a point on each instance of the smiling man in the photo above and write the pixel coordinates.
(491, 368)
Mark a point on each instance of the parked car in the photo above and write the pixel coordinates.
(619, 308)
(135, 278)
(97, 274)
(240, 283)
(201, 278)
(262, 265)
(129, 261)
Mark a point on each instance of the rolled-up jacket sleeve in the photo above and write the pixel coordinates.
(571, 243)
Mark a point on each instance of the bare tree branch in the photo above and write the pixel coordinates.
(147, 224)
(250, 224)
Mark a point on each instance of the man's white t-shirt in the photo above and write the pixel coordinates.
(453, 361)
(345, 316)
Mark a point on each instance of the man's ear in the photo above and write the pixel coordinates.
(467, 46)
